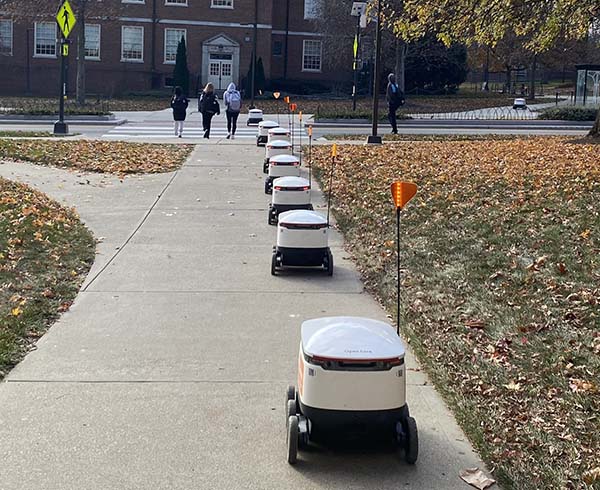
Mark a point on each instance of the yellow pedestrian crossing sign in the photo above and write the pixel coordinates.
(65, 19)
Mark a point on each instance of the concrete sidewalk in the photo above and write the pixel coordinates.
(169, 371)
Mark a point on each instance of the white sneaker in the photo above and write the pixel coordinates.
(233, 136)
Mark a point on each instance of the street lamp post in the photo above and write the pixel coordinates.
(374, 138)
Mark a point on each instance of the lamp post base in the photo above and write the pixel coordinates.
(374, 140)
(61, 127)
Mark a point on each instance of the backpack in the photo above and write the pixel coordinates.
(179, 104)
(235, 101)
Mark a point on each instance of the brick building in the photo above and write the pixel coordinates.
(135, 50)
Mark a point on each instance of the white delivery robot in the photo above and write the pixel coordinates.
(263, 132)
(281, 166)
(278, 133)
(289, 193)
(302, 241)
(351, 374)
(274, 148)
(254, 117)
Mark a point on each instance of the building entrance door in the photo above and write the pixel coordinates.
(220, 70)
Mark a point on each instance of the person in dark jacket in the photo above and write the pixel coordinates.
(179, 104)
(395, 99)
(208, 106)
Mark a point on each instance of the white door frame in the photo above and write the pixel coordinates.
(221, 44)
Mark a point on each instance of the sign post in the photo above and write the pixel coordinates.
(66, 20)
(402, 192)
(300, 126)
(333, 157)
(358, 10)
(310, 155)
(276, 95)
(293, 108)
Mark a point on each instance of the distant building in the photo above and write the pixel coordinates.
(136, 51)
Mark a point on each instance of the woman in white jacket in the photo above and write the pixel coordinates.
(233, 106)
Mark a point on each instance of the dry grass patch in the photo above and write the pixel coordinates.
(45, 253)
(98, 156)
(501, 250)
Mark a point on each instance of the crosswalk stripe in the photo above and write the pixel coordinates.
(162, 132)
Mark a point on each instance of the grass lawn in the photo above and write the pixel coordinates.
(342, 108)
(97, 156)
(501, 288)
(424, 137)
(26, 134)
(45, 253)
(93, 106)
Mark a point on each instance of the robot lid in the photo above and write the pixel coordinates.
(302, 218)
(291, 182)
(278, 130)
(284, 160)
(255, 112)
(268, 124)
(279, 144)
(351, 338)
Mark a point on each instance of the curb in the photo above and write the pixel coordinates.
(76, 120)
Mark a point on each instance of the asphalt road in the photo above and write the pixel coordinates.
(156, 126)
(169, 370)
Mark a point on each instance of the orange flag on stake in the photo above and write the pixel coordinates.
(402, 192)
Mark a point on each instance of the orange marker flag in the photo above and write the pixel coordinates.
(293, 107)
(310, 130)
(402, 192)
(334, 151)
(300, 116)
(276, 94)
(287, 99)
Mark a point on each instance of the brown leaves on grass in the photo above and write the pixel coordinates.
(501, 286)
(45, 252)
(98, 156)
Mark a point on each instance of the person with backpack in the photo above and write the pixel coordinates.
(233, 106)
(395, 99)
(179, 104)
(208, 106)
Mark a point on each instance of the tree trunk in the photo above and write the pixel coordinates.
(532, 78)
(595, 131)
(80, 85)
(508, 79)
(400, 63)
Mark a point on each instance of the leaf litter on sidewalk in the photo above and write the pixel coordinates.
(113, 157)
(501, 287)
(45, 254)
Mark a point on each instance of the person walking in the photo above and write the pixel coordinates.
(233, 106)
(208, 106)
(395, 99)
(179, 104)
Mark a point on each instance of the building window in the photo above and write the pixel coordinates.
(277, 48)
(172, 38)
(6, 37)
(132, 43)
(182, 3)
(311, 55)
(45, 39)
(311, 9)
(92, 41)
(221, 4)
